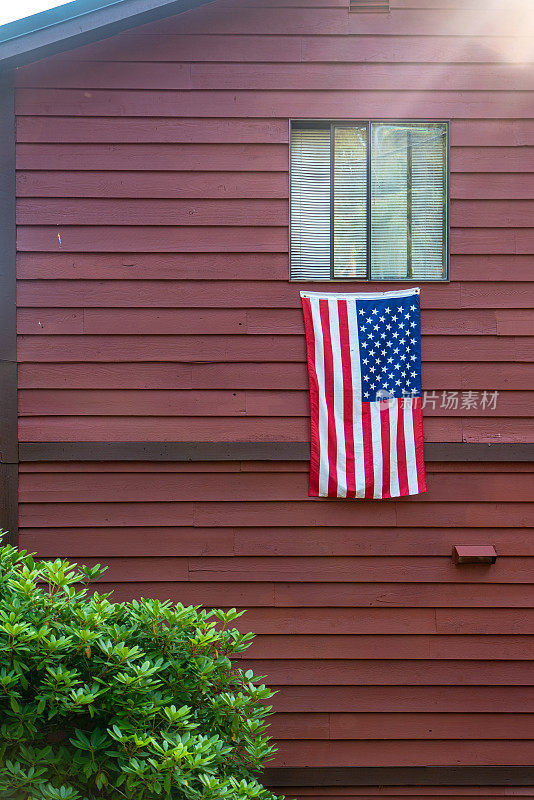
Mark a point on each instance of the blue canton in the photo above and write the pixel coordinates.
(389, 331)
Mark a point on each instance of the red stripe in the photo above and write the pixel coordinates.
(419, 442)
(368, 450)
(401, 451)
(348, 409)
(386, 445)
(314, 399)
(329, 396)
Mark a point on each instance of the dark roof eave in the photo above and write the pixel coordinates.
(78, 23)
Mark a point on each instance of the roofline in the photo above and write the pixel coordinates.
(77, 23)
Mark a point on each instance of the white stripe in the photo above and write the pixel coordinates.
(357, 429)
(393, 458)
(376, 430)
(323, 413)
(341, 456)
(409, 440)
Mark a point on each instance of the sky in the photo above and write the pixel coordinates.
(10, 10)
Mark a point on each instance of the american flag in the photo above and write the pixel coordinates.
(364, 363)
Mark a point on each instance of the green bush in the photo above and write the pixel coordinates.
(102, 700)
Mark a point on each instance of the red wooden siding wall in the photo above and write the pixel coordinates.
(154, 305)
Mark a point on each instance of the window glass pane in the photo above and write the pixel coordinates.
(350, 201)
(389, 202)
(310, 204)
(408, 201)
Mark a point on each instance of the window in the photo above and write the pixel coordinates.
(369, 201)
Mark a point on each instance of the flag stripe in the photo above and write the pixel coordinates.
(362, 461)
(394, 457)
(419, 443)
(385, 444)
(348, 407)
(322, 421)
(376, 441)
(409, 441)
(401, 450)
(329, 397)
(365, 408)
(339, 391)
(367, 437)
(314, 398)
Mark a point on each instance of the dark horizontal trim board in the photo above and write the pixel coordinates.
(246, 451)
(398, 776)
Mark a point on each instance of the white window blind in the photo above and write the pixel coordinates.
(310, 204)
(391, 227)
(429, 202)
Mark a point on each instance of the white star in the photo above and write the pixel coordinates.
(369, 320)
(361, 311)
(412, 324)
(406, 316)
(395, 334)
(373, 385)
(366, 378)
(394, 319)
(396, 350)
(370, 335)
(382, 319)
(412, 308)
(390, 375)
(401, 324)
(412, 341)
(414, 374)
(403, 357)
(388, 327)
(387, 310)
(375, 327)
(413, 358)
(390, 359)
(365, 361)
(397, 366)
(383, 352)
(366, 394)
(372, 369)
(375, 311)
(382, 335)
(364, 344)
(397, 383)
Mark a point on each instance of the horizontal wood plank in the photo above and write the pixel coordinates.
(186, 75)
(261, 294)
(313, 541)
(92, 347)
(325, 47)
(249, 375)
(120, 487)
(283, 103)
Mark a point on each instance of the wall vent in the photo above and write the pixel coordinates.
(368, 5)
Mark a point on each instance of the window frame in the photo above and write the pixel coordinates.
(325, 124)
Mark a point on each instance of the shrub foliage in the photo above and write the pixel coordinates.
(106, 701)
